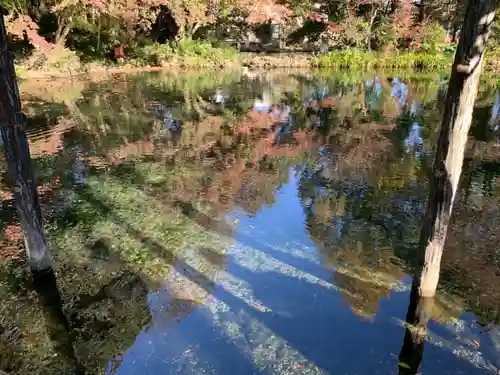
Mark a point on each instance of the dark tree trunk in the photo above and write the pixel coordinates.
(421, 12)
(456, 121)
(454, 33)
(18, 159)
(417, 318)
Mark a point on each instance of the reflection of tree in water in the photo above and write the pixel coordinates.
(104, 292)
(386, 197)
(474, 268)
(222, 158)
(358, 198)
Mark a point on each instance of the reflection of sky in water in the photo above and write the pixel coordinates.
(495, 115)
(373, 93)
(400, 91)
(276, 311)
(218, 97)
(316, 93)
(261, 105)
(171, 124)
(414, 139)
(78, 166)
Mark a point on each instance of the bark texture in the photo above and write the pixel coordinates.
(18, 160)
(456, 121)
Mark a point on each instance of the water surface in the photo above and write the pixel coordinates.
(258, 224)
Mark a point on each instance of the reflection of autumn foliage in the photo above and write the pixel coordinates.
(233, 163)
(471, 259)
(325, 103)
(362, 149)
(11, 237)
(49, 142)
(360, 152)
(243, 178)
(368, 152)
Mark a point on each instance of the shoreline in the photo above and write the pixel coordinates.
(255, 61)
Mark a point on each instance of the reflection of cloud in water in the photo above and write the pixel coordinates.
(78, 166)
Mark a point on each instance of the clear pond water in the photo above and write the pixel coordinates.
(257, 224)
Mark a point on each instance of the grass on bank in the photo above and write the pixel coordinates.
(359, 59)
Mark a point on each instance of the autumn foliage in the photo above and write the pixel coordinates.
(94, 28)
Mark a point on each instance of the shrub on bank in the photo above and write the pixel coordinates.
(185, 52)
(60, 60)
(55, 59)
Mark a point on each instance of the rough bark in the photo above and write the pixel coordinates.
(19, 162)
(417, 319)
(455, 125)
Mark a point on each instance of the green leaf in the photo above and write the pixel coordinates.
(404, 365)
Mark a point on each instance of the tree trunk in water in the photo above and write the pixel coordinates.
(417, 318)
(57, 324)
(457, 116)
(421, 12)
(19, 162)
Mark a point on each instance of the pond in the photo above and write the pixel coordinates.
(249, 224)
